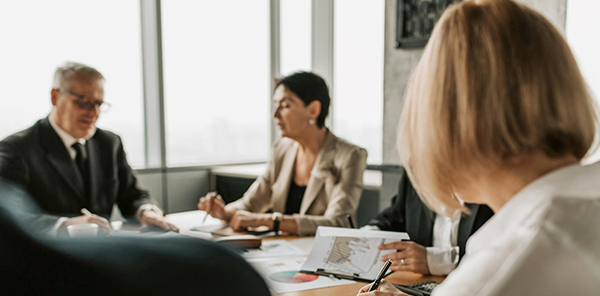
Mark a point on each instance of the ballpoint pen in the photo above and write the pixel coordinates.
(208, 209)
(350, 220)
(379, 277)
(88, 213)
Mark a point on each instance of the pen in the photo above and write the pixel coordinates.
(88, 213)
(350, 220)
(208, 209)
(379, 277)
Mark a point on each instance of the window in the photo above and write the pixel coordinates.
(216, 81)
(581, 18)
(358, 73)
(37, 36)
(295, 36)
(216, 70)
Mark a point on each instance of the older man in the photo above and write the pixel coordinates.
(68, 165)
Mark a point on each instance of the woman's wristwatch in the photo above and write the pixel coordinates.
(276, 217)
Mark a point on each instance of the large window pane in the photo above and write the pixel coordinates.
(216, 73)
(295, 35)
(358, 73)
(582, 21)
(39, 35)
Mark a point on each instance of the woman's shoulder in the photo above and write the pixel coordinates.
(343, 145)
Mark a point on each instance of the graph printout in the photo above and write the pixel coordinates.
(350, 252)
(283, 275)
(353, 255)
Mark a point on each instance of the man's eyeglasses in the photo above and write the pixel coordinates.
(87, 103)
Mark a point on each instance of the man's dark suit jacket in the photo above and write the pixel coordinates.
(38, 160)
(409, 214)
(33, 264)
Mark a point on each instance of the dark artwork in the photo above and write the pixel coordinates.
(416, 19)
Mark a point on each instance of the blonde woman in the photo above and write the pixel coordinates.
(498, 113)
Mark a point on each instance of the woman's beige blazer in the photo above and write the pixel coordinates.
(333, 190)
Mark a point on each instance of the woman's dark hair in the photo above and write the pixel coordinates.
(308, 87)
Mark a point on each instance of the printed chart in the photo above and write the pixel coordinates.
(349, 253)
(282, 276)
(353, 255)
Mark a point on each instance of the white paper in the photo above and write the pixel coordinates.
(350, 252)
(274, 248)
(350, 232)
(187, 220)
(281, 275)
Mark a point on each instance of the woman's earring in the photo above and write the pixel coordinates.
(311, 121)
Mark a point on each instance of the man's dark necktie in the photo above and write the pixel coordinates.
(82, 164)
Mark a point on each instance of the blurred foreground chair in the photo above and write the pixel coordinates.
(33, 263)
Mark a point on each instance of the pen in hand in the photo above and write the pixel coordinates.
(379, 277)
(208, 208)
(86, 212)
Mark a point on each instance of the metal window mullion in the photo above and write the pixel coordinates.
(322, 46)
(154, 116)
(275, 55)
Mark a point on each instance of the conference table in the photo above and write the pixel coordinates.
(186, 220)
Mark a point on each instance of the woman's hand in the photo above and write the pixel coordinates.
(242, 220)
(410, 257)
(214, 205)
(385, 289)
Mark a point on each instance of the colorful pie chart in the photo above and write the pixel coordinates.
(292, 276)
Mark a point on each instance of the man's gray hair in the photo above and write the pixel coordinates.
(70, 70)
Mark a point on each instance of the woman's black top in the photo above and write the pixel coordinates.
(294, 200)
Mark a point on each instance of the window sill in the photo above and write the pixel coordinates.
(371, 178)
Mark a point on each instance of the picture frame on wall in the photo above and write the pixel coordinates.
(416, 19)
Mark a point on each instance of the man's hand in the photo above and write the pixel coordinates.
(410, 257)
(242, 220)
(150, 217)
(95, 219)
(385, 289)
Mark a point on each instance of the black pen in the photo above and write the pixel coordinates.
(379, 277)
(350, 220)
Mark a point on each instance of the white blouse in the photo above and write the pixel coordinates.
(544, 241)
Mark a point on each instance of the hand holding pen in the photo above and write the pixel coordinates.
(214, 205)
(380, 276)
(384, 287)
(88, 217)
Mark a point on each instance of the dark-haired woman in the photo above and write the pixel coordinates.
(313, 178)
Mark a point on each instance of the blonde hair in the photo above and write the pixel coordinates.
(496, 81)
